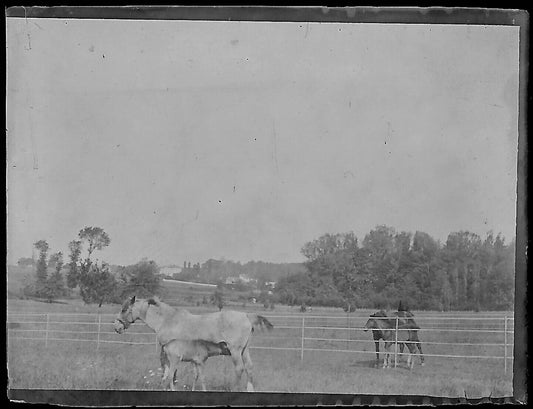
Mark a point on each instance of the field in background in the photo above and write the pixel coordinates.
(83, 365)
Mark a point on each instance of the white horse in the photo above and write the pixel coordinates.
(234, 328)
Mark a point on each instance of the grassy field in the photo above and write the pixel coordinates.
(80, 365)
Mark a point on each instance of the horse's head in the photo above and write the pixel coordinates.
(374, 322)
(127, 315)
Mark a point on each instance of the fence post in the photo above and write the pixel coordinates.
(505, 344)
(46, 333)
(303, 335)
(396, 345)
(98, 339)
(349, 332)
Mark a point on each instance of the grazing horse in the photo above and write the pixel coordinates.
(406, 320)
(195, 351)
(377, 334)
(234, 328)
(407, 335)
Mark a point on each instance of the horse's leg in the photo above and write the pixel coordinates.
(377, 353)
(387, 354)
(200, 374)
(409, 357)
(164, 364)
(172, 371)
(419, 346)
(236, 356)
(248, 367)
(195, 378)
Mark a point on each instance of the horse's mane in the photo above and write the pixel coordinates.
(162, 307)
(380, 313)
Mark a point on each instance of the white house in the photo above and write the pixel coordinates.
(232, 280)
(169, 270)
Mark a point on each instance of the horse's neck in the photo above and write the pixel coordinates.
(153, 318)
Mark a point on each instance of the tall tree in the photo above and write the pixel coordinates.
(96, 282)
(73, 268)
(95, 237)
(463, 252)
(42, 267)
(55, 285)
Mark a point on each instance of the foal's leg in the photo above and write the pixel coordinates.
(248, 367)
(412, 350)
(200, 374)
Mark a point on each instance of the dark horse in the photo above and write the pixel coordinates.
(384, 327)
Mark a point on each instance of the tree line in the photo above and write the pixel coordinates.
(96, 281)
(464, 273)
(216, 271)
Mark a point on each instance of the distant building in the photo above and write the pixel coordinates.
(271, 284)
(169, 270)
(244, 278)
(232, 280)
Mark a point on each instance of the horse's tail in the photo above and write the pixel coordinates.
(260, 321)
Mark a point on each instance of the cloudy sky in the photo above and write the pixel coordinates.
(244, 140)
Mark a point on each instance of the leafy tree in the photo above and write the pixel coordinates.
(96, 238)
(97, 284)
(218, 298)
(42, 267)
(465, 273)
(463, 253)
(73, 266)
(95, 281)
(55, 285)
(143, 278)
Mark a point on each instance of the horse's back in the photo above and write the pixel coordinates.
(232, 327)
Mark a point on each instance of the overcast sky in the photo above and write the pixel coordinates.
(244, 140)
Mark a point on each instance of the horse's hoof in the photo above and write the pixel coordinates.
(422, 364)
(249, 387)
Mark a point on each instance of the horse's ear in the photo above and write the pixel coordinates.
(132, 301)
(402, 307)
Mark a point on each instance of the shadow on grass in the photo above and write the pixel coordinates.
(366, 364)
(372, 364)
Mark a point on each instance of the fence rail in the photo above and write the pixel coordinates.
(47, 328)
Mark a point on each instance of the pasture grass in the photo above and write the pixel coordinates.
(76, 365)
(80, 365)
